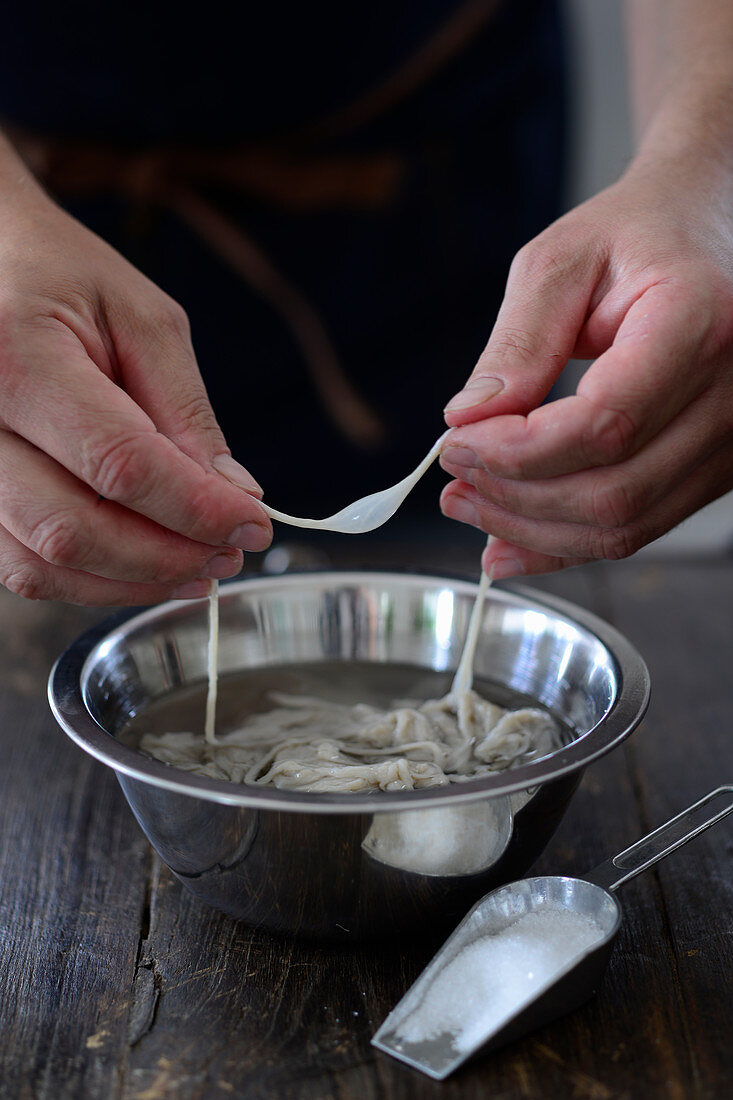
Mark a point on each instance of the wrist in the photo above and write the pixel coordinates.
(686, 156)
(692, 127)
(19, 189)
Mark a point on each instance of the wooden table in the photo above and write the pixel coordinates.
(116, 983)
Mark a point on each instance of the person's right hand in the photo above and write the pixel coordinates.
(116, 483)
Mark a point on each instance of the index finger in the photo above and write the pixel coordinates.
(61, 402)
(543, 311)
(649, 374)
(161, 375)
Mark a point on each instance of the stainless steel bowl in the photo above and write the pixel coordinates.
(355, 865)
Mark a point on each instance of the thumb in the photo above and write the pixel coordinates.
(545, 306)
(161, 375)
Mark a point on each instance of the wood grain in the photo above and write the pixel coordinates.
(116, 983)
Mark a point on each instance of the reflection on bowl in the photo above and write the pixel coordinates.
(352, 865)
(444, 840)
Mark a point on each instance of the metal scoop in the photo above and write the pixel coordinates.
(526, 954)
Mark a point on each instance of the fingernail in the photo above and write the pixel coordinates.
(463, 510)
(222, 566)
(234, 472)
(506, 567)
(475, 392)
(191, 590)
(250, 536)
(460, 456)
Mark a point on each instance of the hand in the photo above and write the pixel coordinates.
(640, 278)
(117, 484)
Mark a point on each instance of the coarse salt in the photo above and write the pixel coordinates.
(495, 976)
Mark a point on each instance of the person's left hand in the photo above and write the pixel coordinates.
(640, 278)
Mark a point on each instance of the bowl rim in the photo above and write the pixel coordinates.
(65, 695)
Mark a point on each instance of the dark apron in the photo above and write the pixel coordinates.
(384, 166)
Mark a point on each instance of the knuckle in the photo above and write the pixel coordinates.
(207, 522)
(193, 411)
(615, 543)
(177, 569)
(60, 539)
(541, 262)
(524, 260)
(27, 579)
(117, 468)
(610, 436)
(172, 320)
(508, 465)
(161, 319)
(499, 491)
(613, 505)
(517, 343)
(170, 577)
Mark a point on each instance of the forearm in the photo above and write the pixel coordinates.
(681, 70)
(20, 192)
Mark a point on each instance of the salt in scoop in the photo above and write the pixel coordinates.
(367, 513)
(526, 954)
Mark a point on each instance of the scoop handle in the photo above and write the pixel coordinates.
(666, 839)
